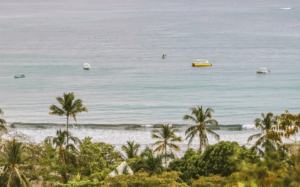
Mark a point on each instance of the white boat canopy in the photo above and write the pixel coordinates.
(201, 61)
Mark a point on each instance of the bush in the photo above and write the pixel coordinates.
(219, 159)
(167, 179)
(187, 165)
(212, 181)
(253, 175)
(80, 184)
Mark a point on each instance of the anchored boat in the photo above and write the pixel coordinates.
(20, 76)
(262, 71)
(86, 66)
(201, 63)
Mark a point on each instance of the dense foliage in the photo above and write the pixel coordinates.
(142, 179)
(66, 161)
(219, 159)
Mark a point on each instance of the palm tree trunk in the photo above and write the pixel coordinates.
(200, 148)
(67, 129)
(165, 155)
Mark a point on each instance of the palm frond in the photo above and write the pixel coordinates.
(190, 129)
(3, 127)
(173, 146)
(191, 118)
(2, 121)
(259, 141)
(215, 135)
(159, 148)
(176, 139)
(56, 111)
(157, 143)
(211, 122)
(208, 112)
(191, 136)
(60, 100)
(254, 136)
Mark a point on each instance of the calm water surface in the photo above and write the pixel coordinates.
(129, 82)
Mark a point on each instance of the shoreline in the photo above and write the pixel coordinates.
(125, 126)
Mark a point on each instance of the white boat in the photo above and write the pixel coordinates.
(86, 66)
(263, 71)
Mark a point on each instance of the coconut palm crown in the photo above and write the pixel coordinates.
(63, 148)
(2, 122)
(150, 162)
(202, 119)
(70, 107)
(14, 154)
(131, 149)
(167, 138)
(267, 138)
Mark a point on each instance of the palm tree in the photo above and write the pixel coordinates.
(267, 138)
(150, 162)
(2, 122)
(70, 108)
(166, 137)
(131, 149)
(14, 155)
(65, 151)
(202, 119)
(62, 146)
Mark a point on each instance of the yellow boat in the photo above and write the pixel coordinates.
(201, 63)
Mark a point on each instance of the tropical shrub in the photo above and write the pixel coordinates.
(220, 158)
(187, 165)
(252, 175)
(80, 184)
(211, 181)
(167, 179)
(90, 161)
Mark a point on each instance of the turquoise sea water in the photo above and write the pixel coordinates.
(129, 82)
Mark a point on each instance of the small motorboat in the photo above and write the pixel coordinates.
(86, 66)
(201, 63)
(262, 71)
(20, 76)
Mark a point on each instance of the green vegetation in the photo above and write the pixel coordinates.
(131, 149)
(70, 108)
(166, 138)
(149, 162)
(13, 157)
(142, 179)
(268, 137)
(66, 161)
(2, 122)
(202, 119)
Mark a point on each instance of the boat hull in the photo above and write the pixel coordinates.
(259, 72)
(86, 68)
(21, 76)
(201, 64)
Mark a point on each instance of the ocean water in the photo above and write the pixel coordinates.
(129, 82)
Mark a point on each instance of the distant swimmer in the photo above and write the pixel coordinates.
(163, 56)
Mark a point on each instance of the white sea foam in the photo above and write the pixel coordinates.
(285, 8)
(118, 137)
(249, 126)
(142, 136)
